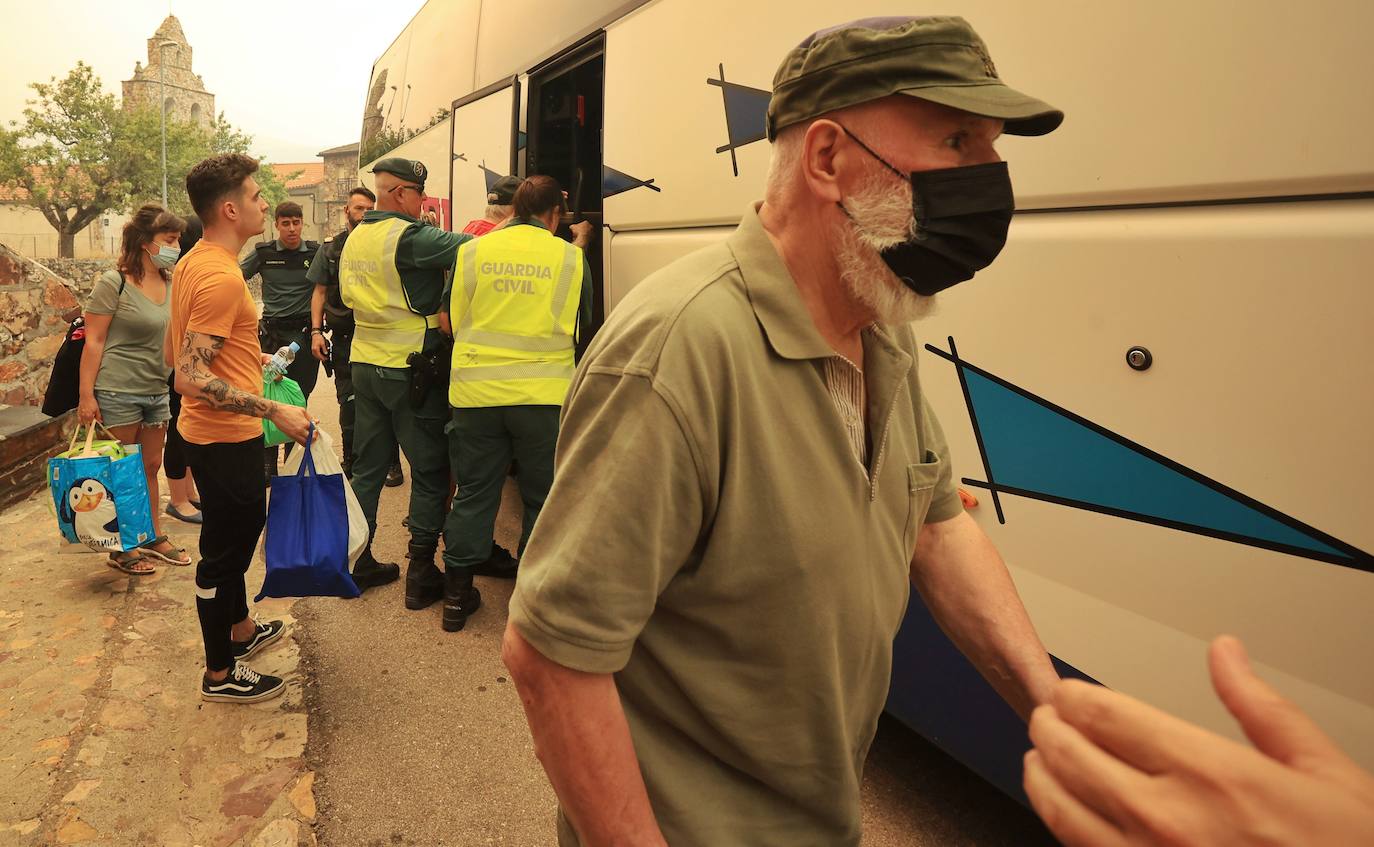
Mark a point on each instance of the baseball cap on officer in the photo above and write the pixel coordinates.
(502, 192)
(939, 59)
(407, 169)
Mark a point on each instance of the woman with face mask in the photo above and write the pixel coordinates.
(123, 369)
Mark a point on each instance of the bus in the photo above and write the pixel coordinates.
(1158, 399)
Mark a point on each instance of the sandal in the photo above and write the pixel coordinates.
(130, 562)
(174, 556)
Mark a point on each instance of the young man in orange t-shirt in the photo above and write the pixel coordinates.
(214, 328)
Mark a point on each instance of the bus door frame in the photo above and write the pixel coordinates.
(512, 82)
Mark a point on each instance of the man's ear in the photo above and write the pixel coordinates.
(821, 157)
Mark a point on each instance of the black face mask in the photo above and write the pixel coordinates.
(962, 216)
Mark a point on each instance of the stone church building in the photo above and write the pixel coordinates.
(169, 62)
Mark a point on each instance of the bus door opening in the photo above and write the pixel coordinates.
(564, 126)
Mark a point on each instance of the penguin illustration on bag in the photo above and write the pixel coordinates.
(90, 509)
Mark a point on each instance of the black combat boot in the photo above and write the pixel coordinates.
(424, 582)
(461, 598)
(370, 573)
(500, 564)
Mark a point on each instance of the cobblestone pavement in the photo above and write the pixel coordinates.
(106, 740)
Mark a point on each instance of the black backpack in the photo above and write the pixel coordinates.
(64, 384)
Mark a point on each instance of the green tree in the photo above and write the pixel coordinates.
(187, 145)
(77, 154)
(64, 154)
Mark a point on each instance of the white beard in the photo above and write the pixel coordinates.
(879, 217)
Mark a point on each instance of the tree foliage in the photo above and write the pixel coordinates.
(66, 155)
(77, 154)
(386, 139)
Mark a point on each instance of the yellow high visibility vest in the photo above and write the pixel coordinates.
(514, 310)
(386, 330)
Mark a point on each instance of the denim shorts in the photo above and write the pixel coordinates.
(120, 409)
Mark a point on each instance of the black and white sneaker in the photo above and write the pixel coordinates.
(263, 634)
(242, 685)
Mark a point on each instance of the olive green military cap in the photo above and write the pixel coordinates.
(940, 59)
(407, 169)
(502, 192)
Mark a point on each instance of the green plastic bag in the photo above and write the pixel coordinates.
(284, 390)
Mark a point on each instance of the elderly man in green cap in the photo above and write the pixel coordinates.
(391, 274)
(711, 670)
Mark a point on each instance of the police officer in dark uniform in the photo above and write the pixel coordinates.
(331, 325)
(283, 264)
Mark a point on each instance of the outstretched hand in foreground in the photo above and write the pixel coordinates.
(1107, 769)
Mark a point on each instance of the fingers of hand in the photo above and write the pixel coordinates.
(1276, 726)
(1068, 818)
(1139, 735)
(1094, 777)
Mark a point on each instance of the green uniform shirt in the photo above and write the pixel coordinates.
(133, 360)
(285, 290)
(713, 541)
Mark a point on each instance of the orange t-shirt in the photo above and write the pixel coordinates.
(209, 295)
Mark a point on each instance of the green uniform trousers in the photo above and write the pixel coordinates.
(481, 444)
(383, 417)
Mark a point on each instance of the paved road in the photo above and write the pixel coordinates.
(417, 736)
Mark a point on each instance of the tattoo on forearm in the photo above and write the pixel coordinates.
(193, 362)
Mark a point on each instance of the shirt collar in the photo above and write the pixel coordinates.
(526, 222)
(373, 215)
(281, 248)
(773, 293)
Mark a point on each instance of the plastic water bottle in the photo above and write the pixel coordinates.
(280, 361)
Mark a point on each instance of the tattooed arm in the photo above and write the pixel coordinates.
(194, 379)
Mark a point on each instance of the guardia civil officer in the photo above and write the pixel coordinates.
(519, 295)
(324, 273)
(336, 346)
(283, 263)
(391, 274)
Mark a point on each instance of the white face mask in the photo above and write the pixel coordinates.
(166, 256)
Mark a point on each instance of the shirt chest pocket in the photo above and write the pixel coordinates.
(920, 484)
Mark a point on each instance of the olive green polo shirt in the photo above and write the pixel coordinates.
(712, 539)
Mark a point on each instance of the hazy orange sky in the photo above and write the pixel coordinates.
(291, 73)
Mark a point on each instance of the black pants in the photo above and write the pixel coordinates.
(233, 502)
(341, 343)
(174, 452)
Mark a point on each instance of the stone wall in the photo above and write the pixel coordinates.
(80, 274)
(35, 307)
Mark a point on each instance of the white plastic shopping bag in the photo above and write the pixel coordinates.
(322, 449)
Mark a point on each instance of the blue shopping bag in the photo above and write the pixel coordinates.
(307, 535)
(101, 495)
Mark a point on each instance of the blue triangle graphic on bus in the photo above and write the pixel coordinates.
(746, 115)
(1033, 448)
(617, 182)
